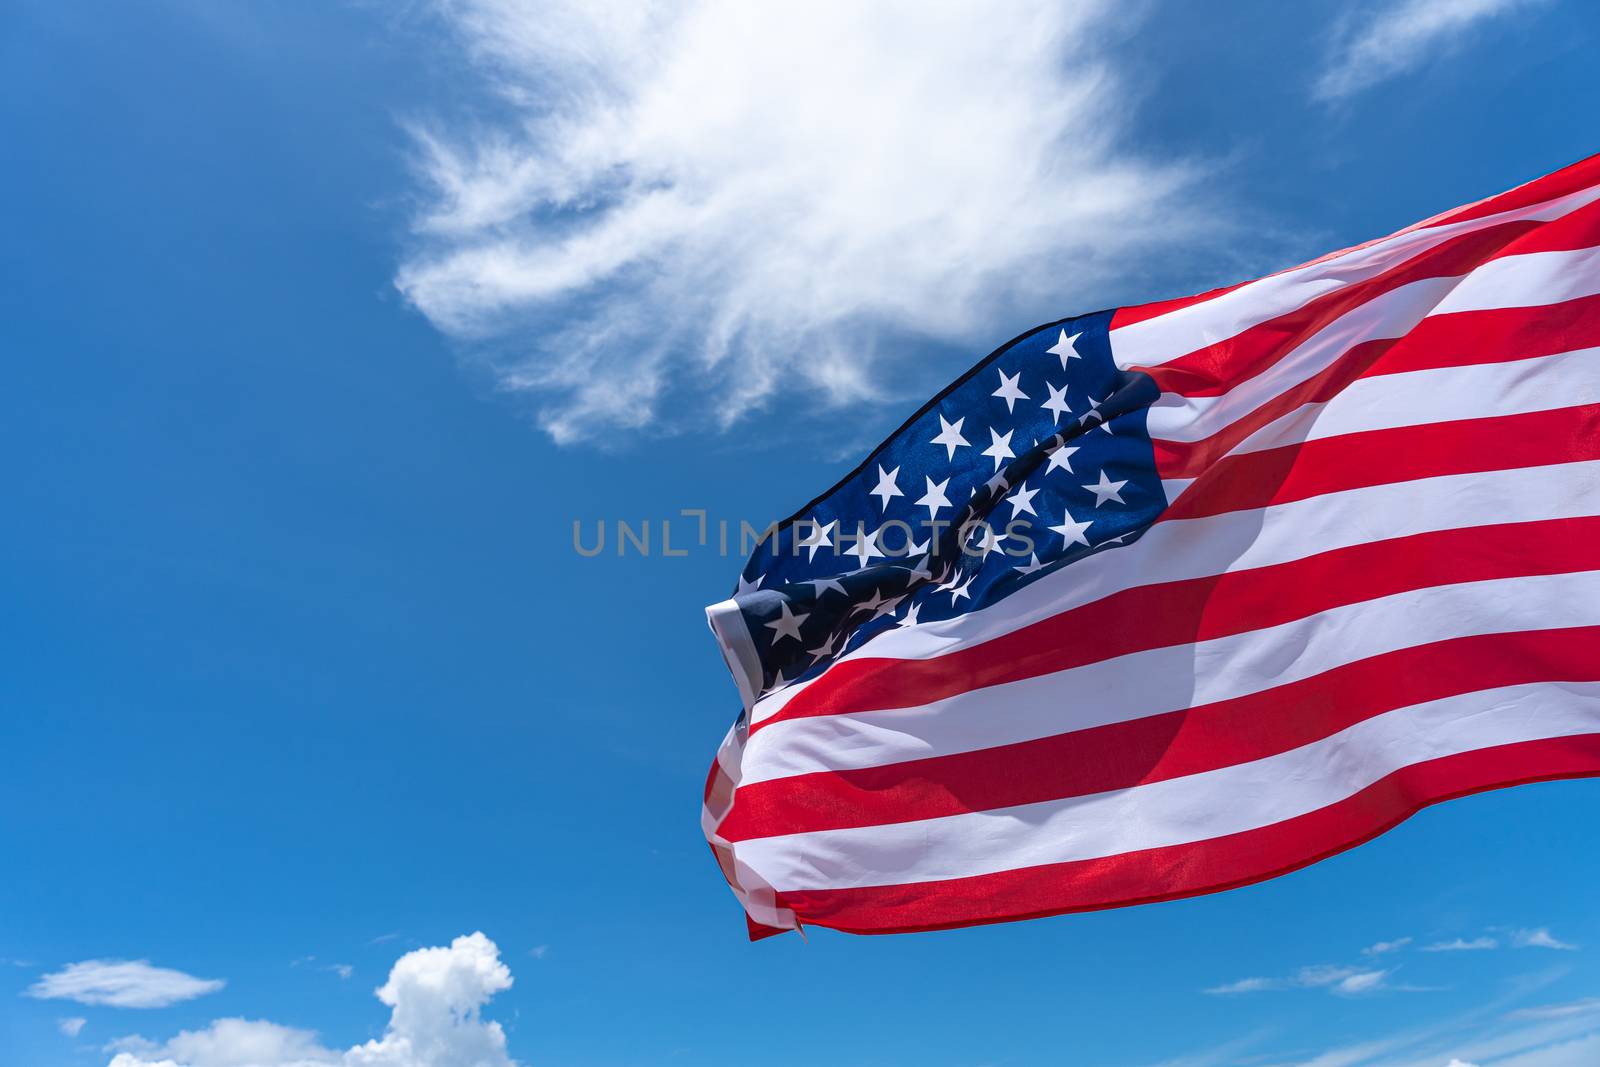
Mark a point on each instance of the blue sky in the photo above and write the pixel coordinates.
(323, 323)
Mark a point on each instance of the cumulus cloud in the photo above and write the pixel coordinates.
(1398, 37)
(122, 984)
(680, 208)
(435, 996)
(227, 1043)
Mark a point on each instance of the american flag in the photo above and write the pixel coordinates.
(1174, 598)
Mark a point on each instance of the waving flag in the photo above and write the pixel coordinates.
(1175, 598)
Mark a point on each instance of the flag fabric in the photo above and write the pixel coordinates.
(1179, 597)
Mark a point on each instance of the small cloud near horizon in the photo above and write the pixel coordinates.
(122, 984)
(436, 998)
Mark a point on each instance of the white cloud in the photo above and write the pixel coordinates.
(122, 984)
(1385, 947)
(72, 1027)
(1587, 1006)
(1477, 944)
(1484, 1036)
(228, 1043)
(436, 996)
(1540, 938)
(1345, 981)
(1398, 37)
(685, 207)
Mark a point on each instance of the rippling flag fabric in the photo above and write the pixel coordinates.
(1179, 597)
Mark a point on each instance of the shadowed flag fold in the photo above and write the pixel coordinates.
(1179, 597)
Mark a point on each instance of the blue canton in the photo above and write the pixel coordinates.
(1036, 457)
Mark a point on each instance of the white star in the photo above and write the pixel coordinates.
(886, 487)
(786, 624)
(822, 585)
(911, 616)
(1061, 458)
(819, 536)
(868, 605)
(778, 682)
(921, 571)
(950, 436)
(934, 498)
(1106, 489)
(997, 483)
(824, 650)
(958, 591)
(1000, 447)
(1021, 501)
(1092, 415)
(1071, 530)
(864, 545)
(748, 587)
(989, 542)
(1032, 565)
(1008, 390)
(887, 607)
(1057, 404)
(1066, 348)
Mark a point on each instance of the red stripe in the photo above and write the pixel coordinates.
(1201, 867)
(1463, 338)
(1219, 367)
(1384, 457)
(1569, 179)
(1140, 312)
(1161, 747)
(1200, 609)
(1578, 176)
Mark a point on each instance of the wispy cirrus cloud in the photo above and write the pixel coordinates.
(1534, 937)
(1383, 948)
(1540, 938)
(1344, 981)
(1461, 944)
(1556, 1035)
(122, 984)
(1567, 1010)
(1391, 39)
(683, 208)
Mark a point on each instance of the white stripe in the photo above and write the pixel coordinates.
(1394, 314)
(1199, 807)
(757, 897)
(1176, 549)
(1158, 340)
(1168, 679)
(1533, 280)
(1444, 394)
